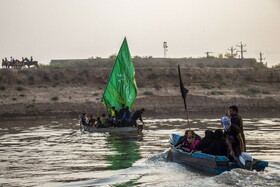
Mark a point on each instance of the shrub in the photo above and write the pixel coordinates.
(253, 91)
(276, 66)
(207, 86)
(157, 87)
(148, 93)
(216, 92)
(2, 88)
(14, 99)
(46, 78)
(19, 88)
(140, 85)
(55, 84)
(95, 94)
(153, 76)
(54, 98)
(21, 95)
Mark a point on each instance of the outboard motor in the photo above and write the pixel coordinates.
(246, 160)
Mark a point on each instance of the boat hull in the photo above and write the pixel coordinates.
(206, 162)
(110, 129)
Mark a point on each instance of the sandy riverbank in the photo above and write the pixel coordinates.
(64, 91)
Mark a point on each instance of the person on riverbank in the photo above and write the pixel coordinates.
(91, 121)
(234, 138)
(84, 121)
(236, 119)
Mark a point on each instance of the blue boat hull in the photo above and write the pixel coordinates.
(206, 162)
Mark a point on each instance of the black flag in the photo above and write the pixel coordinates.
(184, 91)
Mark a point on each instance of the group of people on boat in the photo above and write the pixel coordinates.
(230, 142)
(18, 64)
(122, 118)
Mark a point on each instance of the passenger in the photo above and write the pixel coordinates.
(137, 115)
(125, 120)
(114, 112)
(189, 144)
(234, 138)
(121, 112)
(98, 123)
(103, 121)
(84, 120)
(206, 141)
(91, 121)
(236, 120)
(188, 133)
(218, 146)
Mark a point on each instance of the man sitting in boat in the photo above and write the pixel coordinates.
(137, 115)
(84, 120)
(125, 120)
(91, 121)
(234, 138)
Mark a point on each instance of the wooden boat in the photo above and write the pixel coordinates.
(109, 129)
(206, 162)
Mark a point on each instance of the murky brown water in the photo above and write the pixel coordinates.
(53, 152)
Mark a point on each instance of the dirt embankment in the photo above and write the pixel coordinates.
(49, 91)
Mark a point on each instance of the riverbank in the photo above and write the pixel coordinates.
(70, 91)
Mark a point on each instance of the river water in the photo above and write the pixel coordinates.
(53, 152)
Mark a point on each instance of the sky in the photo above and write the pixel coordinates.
(79, 29)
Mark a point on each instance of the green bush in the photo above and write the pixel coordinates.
(216, 92)
(276, 66)
(46, 78)
(14, 99)
(95, 94)
(21, 95)
(207, 86)
(157, 87)
(54, 98)
(253, 91)
(2, 88)
(148, 93)
(153, 76)
(19, 88)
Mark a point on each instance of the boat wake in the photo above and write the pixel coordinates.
(157, 171)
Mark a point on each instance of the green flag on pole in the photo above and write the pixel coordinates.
(121, 87)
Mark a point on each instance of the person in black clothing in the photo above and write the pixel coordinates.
(218, 145)
(206, 141)
(121, 112)
(234, 138)
(137, 115)
(236, 119)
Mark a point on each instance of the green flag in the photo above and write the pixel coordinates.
(121, 87)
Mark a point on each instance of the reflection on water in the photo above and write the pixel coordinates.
(53, 152)
(124, 150)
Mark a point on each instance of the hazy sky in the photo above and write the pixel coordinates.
(63, 29)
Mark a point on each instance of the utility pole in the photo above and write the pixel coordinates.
(207, 54)
(261, 57)
(165, 49)
(232, 51)
(242, 50)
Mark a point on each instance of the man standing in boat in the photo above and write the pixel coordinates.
(234, 138)
(137, 115)
(236, 119)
